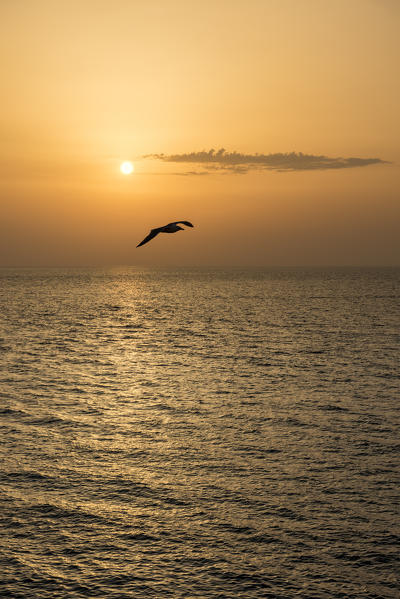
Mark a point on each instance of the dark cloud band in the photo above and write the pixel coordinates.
(221, 160)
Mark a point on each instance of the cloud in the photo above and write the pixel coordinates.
(236, 162)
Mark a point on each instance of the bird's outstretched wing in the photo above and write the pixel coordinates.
(149, 237)
(182, 222)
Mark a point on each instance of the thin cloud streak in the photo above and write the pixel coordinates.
(236, 162)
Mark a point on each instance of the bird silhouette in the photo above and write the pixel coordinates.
(170, 228)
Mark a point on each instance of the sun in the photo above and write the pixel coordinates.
(126, 168)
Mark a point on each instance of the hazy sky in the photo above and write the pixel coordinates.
(273, 125)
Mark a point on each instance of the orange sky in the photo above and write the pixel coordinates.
(88, 84)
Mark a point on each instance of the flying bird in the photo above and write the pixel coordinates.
(170, 228)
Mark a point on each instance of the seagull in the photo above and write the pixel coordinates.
(170, 228)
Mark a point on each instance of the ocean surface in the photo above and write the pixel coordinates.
(199, 433)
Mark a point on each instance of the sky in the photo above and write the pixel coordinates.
(272, 125)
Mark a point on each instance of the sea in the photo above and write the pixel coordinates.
(199, 433)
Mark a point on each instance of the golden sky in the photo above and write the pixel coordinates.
(88, 84)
